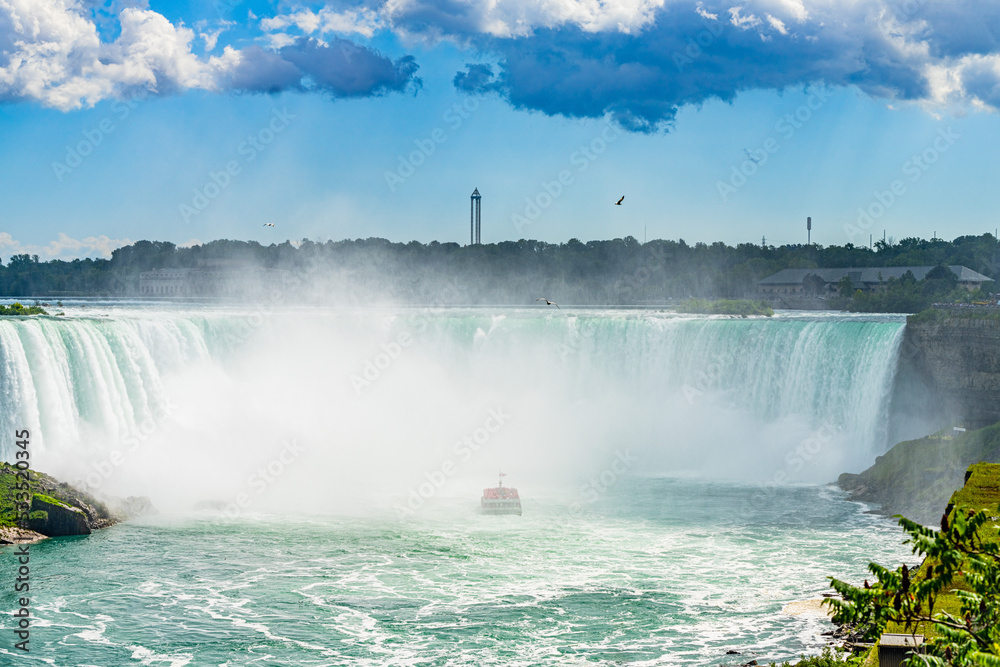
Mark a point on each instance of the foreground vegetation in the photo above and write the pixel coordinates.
(953, 598)
(617, 271)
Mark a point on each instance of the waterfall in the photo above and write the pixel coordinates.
(609, 379)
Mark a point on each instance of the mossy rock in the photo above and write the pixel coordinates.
(60, 519)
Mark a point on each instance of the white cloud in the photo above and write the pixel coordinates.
(277, 40)
(64, 247)
(51, 53)
(777, 24)
(211, 37)
(363, 22)
(519, 18)
(742, 22)
(705, 14)
(795, 9)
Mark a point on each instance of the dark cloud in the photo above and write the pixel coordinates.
(263, 71)
(340, 68)
(951, 29)
(983, 81)
(478, 79)
(683, 58)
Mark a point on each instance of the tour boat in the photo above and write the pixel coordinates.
(501, 499)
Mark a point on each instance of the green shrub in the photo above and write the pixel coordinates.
(16, 309)
(741, 307)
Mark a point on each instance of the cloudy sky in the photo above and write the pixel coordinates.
(718, 120)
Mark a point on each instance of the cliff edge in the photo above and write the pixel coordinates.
(950, 366)
(916, 478)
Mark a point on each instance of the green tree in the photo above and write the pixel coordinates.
(845, 287)
(962, 561)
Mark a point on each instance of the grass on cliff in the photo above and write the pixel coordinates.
(931, 315)
(981, 491)
(8, 487)
(8, 515)
(741, 307)
(53, 501)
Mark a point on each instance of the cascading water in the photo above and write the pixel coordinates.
(349, 448)
(713, 396)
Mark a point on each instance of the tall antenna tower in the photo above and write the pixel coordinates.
(809, 231)
(475, 218)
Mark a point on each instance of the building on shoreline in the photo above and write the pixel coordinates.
(208, 280)
(790, 282)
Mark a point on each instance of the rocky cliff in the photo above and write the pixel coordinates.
(949, 371)
(916, 478)
(58, 509)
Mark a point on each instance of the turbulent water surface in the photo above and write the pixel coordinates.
(658, 572)
(672, 470)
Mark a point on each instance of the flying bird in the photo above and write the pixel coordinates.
(619, 202)
(750, 156)
(550, 303)
(268, 224)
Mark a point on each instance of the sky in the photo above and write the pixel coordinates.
(718, 120)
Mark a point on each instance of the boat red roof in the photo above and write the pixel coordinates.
(500, 493)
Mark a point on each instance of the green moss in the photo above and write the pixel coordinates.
(931, 315)
(39, 515)
(53, 501)
(9, 481)
(741, 307)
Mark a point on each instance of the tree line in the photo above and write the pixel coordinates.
(617, 271)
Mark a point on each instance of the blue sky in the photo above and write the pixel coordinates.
(728, 121)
